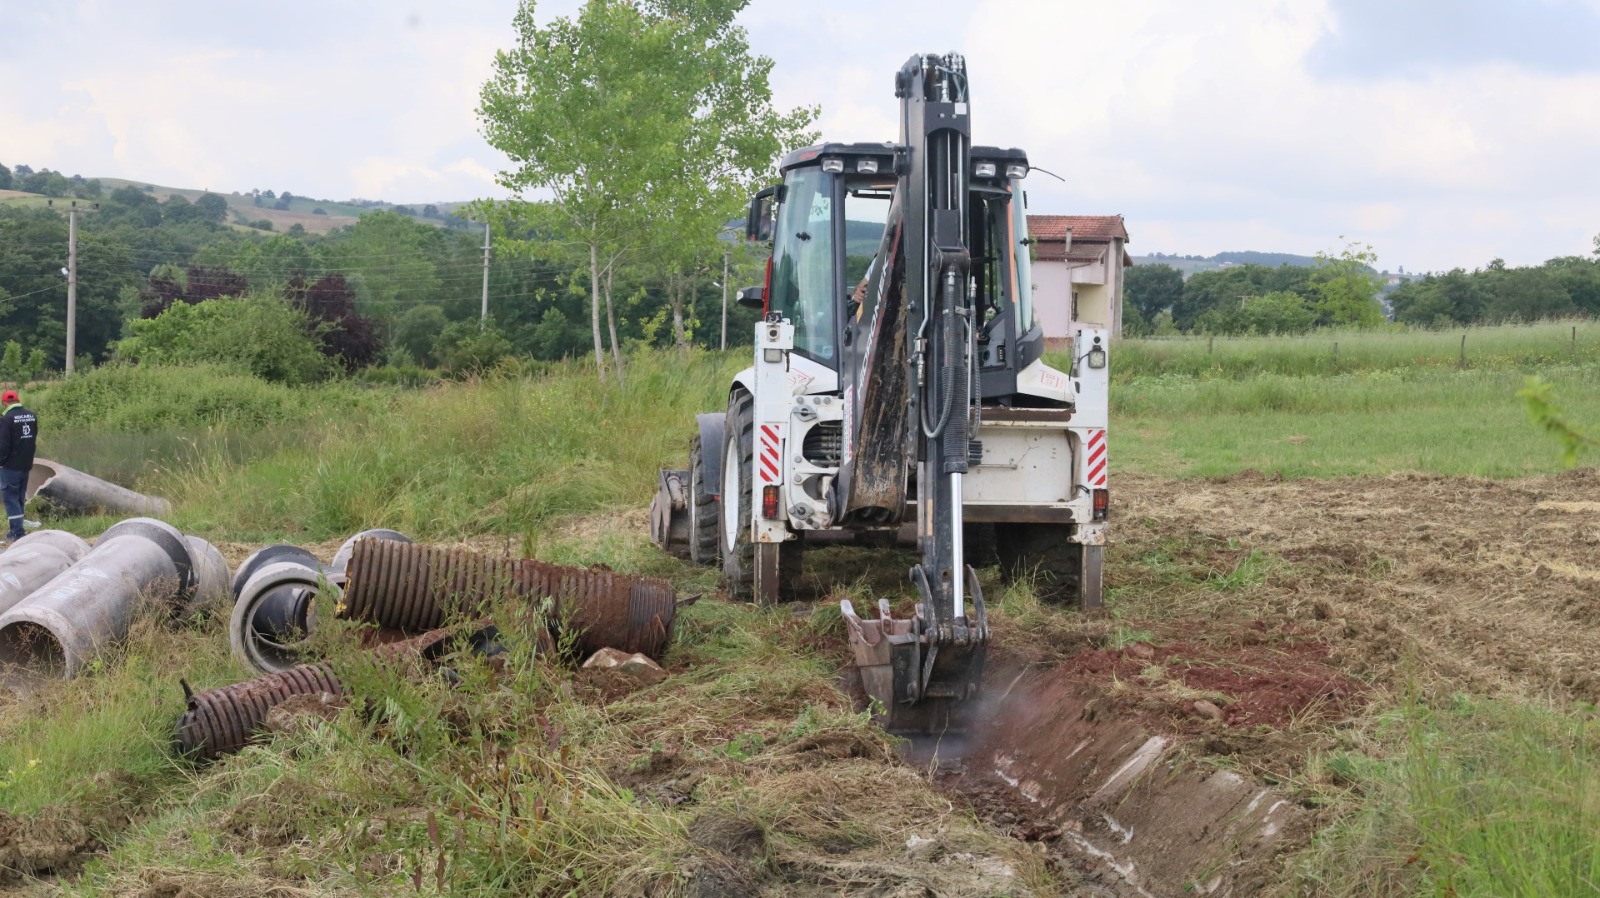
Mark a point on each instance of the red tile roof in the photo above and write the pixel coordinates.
(1094, 228)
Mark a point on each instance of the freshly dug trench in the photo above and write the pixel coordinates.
(1067, 764)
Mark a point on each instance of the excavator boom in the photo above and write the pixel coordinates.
(917, 404)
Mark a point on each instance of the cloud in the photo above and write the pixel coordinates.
(1446, 132)
(1203, 118)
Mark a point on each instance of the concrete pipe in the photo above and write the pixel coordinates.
(277, 610)
(341, 558)
(33, 561)
(63, 624)
(268, 555)
(76, 491)
(211, 578)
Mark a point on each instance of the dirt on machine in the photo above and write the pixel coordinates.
(897, 386)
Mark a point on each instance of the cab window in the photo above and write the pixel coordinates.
(802, 263)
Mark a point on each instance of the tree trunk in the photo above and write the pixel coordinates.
(681, 341)
(611, 321)
(594, 309)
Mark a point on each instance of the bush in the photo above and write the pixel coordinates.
(259, 334)
(148, 398)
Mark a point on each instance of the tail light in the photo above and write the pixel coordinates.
(1102, 502)
(769, 502)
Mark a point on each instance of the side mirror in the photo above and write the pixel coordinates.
(751, 297)
(758, 222)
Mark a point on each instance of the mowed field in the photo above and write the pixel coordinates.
(1363, 588)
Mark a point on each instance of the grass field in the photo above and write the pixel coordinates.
(1427, 791)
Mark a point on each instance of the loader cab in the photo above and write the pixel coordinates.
(827, 222)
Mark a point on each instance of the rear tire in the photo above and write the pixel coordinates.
(1041, 552)
(791, 565)
(703, 507)
(738, 553)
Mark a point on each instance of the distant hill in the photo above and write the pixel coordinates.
(1191, 264)
(316, 216)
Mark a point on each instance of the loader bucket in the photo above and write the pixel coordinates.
(669, 515)
(894, 656)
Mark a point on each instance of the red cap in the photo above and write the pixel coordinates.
(9, 397)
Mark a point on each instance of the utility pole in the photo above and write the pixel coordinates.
(72, 282)
(483, 320)
(724, 300)
(72, 286)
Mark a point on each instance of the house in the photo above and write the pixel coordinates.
(1078, 263)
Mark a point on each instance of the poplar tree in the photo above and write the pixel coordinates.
(645, 123)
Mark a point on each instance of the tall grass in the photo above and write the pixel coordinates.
(1369, 423)
(1502, 347)
(1483, 798)
(506, 454)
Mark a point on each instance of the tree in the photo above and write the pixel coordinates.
(11, 367)
(1527, 294)
(465, 348)
(1276, 313)
(1346, 287)
(345, 336)
(395, 259)
(36, 364)
(212, 208)
(1151, 289)
(417, 331)
(623, 112)
(5, 178)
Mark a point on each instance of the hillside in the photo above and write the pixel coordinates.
(314, 215)
(1195, 263)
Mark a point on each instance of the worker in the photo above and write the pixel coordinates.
(19, 432)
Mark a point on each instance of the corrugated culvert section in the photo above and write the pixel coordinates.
(221, 721)
(416, 587)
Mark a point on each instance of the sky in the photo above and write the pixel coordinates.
(1444, 133)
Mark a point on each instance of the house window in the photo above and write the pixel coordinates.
(1074, 305)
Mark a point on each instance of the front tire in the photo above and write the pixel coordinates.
(704, 513)
(738, 553)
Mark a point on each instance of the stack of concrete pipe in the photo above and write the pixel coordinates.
(61, 601)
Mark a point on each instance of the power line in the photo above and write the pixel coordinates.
(33, 293)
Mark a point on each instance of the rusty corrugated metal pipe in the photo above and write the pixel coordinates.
(417, 587)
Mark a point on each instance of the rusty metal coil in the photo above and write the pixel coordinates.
(221, 721)
(416, 587)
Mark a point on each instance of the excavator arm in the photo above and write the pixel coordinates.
(915, 406)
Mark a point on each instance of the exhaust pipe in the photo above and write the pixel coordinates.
(65, 623)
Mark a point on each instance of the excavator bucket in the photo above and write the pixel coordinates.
(669, 513)
(918, 680)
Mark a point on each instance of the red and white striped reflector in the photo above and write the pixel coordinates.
(768, 465)
(1094, 461)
